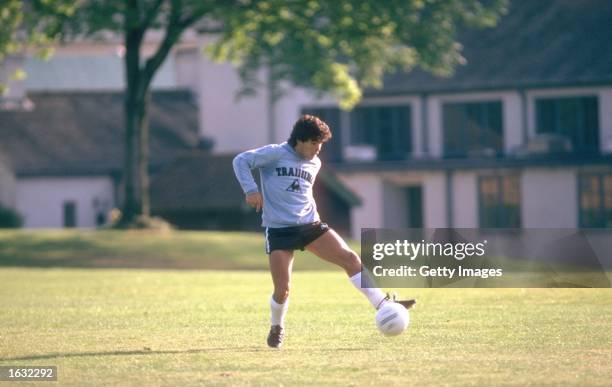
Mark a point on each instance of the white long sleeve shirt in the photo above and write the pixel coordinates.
(286, 180)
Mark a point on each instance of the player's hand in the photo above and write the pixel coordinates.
(255, 200)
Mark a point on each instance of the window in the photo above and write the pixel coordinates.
(332, 150)
(387, 128)
(500, 201)
(472, 129)
(414, 204)
(576, 118)
(595, 191)
(69, 214)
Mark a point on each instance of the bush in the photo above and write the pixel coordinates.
(10, 218)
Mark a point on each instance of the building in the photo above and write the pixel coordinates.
(199, 191)
(520, 137)
(65, 155)
(62, 141)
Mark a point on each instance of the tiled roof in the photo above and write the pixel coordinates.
(204, 181)
(539, 43)
(82, 133)
(197, 180)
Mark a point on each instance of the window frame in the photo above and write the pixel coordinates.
(602, 213)
(365, 117)
(365, 124)
(502, 216)
(549, 110)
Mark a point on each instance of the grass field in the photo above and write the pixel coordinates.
(192, 327)
(140, 249)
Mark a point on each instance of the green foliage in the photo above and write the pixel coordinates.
(335, 46)
(9, 218)
(343, 46)
(35, 24)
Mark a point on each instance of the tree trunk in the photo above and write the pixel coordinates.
(143, 162)
(135, 155)
(136, 207)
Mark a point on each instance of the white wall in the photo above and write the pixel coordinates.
(434, 200)
(385, 200)
(96, 70)
(41, 200)
(370, 213)
(395, 214)
(8, 67)
(465, 200)
(549, 198)
(187, 63)
(7, 186)
(605, 119)
(234, 124)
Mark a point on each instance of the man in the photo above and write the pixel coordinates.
(290, 216)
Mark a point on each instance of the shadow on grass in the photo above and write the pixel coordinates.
(44, 252)
(108, 249)
(151, 352)
(132, 353)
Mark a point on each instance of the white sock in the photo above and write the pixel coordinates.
(374, 295)
(278, 312)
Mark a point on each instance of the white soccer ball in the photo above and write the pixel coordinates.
(392, 319)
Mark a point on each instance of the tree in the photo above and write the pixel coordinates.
(334, 46)
(34, 25)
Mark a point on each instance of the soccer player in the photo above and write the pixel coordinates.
(290, 216)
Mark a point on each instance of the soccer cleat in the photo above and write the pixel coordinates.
(275, 337)
(408, 304)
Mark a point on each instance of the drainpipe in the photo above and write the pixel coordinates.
(525, 132)
(424, 126)
(449, 198)
(271, 106)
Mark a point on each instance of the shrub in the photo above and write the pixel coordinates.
(10, 218)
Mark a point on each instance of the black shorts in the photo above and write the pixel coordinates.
(295, 237)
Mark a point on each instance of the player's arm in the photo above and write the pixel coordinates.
(245, 162)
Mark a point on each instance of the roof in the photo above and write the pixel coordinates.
(82, 133)
(205, 181)
(543, 43)
(197, 180)
(474, 163)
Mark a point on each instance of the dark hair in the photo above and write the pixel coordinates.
(309, 128)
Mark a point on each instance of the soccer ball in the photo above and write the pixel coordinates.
(392, 319)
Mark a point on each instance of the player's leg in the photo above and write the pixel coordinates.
(331, 247)
(281, 264)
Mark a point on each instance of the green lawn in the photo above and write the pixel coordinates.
(139, 327)
(104, 326)
(141, 249)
